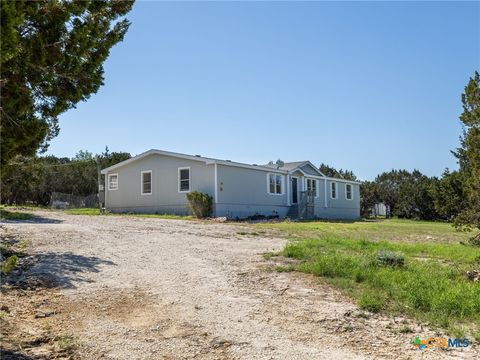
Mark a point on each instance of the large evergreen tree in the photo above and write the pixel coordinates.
(52, 58)
(469, 155)
(368, 197)
(332, 172)
(448, 194)
(407, 194)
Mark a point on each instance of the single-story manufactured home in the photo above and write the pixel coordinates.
(157, 181)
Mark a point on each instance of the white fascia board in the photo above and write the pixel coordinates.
(247, 166)
(325, 177)
(343, 180)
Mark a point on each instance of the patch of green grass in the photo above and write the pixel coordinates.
(269, 255)
(96, 211)
(22, 245)
(162, 216)
(371, 301)
(395, 230)
(251, 233)
(84, 211)
(14, 215)
(66, 342)
(431, 285)
(9, 264)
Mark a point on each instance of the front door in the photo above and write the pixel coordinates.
(294, 190)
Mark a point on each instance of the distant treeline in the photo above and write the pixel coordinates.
(413, 195)
(32, 180)
(410, 195)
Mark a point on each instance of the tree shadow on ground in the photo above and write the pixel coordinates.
(55, 270)
(16, 217)
(12, 355)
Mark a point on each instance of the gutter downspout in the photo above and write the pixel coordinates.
(215, 193)
(288, 191)
(105, 190)
(325, 193)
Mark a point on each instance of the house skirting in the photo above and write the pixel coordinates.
(232, 211)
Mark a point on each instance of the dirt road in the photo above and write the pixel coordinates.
(147, 288)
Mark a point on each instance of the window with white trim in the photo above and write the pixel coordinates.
(312, 186)
(147, 182)
(112, 181)
(348, 192)
(184, 179)
(333, 190)
(275, 184)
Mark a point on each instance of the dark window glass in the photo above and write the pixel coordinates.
(348, 191)
(184, 179)
(272, 184)
(334, 190)
(279, 184)
(147, 182)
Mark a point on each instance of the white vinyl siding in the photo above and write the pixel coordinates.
(275, 184)
(146, 178)
(333, 190)
(184, 179)
(348, 192)
(112, 181)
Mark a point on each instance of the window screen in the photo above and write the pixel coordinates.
(348, 191)
(147, 182)
(184, 180)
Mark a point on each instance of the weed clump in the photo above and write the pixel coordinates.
(390, 258)
(9, 264)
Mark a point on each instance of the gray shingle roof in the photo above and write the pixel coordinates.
(288, 165)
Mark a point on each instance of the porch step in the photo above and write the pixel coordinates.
(293, 212)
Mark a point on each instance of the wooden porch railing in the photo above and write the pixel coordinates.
(306, 206)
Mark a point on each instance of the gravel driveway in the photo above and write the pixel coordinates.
(149, 288)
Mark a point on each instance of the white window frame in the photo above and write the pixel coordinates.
(189, 179)
(151, 182)
(334, 183)
(108, 181)
(351, 192)
(316, 185)
(282, 184)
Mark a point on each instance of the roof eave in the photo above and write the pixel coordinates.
(207, 161)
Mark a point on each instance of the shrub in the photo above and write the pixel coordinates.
(200, 204)
(390, 258)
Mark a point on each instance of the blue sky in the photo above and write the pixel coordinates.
(364, 86)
